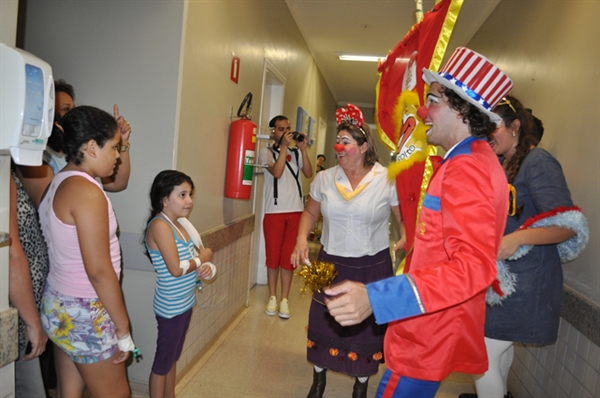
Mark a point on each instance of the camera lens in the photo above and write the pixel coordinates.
(298, 137)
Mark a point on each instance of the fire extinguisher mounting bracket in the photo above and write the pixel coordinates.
(248, 102)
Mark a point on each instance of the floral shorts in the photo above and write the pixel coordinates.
(81, 327)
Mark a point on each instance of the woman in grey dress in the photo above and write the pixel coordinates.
(543, 230)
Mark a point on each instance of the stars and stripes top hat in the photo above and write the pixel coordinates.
(474, 78)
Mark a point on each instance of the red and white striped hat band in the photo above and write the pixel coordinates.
(474, 78)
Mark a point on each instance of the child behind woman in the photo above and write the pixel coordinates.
(170, 245)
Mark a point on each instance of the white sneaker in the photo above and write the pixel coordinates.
(284, 309)
(271, 308)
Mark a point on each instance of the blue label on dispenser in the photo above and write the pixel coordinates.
(34, 101)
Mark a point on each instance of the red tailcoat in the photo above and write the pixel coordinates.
(436, 312)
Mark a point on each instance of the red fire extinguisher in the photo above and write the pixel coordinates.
(240, 154)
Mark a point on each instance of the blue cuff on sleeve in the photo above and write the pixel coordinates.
(394, 298)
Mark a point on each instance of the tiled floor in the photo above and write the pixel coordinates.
(262, 356)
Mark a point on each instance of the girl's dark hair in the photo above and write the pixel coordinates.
(511, 109)
(163, 185)
(82, 124)
(362, 135)
(480, 124)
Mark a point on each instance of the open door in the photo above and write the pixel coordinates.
(272, 105)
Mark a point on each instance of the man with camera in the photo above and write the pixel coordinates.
(283, 207)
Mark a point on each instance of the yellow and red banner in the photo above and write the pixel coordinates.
(400, 93)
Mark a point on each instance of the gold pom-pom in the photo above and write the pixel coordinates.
(317, 275)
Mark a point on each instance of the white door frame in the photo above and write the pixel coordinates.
(273, 87)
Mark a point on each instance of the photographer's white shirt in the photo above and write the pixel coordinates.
(289, 197)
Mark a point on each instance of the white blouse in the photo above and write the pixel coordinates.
(358, 227)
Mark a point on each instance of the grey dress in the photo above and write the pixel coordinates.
(531, 314)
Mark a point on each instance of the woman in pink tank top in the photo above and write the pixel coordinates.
(83, 311)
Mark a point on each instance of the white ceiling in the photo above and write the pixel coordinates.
(368, 27)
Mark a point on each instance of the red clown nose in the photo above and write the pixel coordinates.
(338, 147)
(422, 112)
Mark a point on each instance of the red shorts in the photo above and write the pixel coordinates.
(281, 231)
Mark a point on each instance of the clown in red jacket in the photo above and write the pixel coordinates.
(436, 311)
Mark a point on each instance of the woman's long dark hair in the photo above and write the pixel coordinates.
(511, 109)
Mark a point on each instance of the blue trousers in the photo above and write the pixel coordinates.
(393, 385)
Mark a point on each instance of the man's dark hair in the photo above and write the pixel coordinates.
(276, 119)
(480, 124)
(62, 86)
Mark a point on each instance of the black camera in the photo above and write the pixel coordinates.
(297, 136)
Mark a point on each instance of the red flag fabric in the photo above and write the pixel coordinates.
(400, 93)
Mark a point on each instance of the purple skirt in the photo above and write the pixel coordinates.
(353, 350)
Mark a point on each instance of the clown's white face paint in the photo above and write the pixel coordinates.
(349, 154)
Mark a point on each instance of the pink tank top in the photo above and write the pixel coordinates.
(67, 274)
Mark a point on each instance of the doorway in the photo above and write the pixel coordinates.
(273, 87)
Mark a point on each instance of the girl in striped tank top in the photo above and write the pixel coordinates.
(177, 263)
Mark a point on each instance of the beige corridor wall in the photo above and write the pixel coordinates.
(551, 49)
(253, 30)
